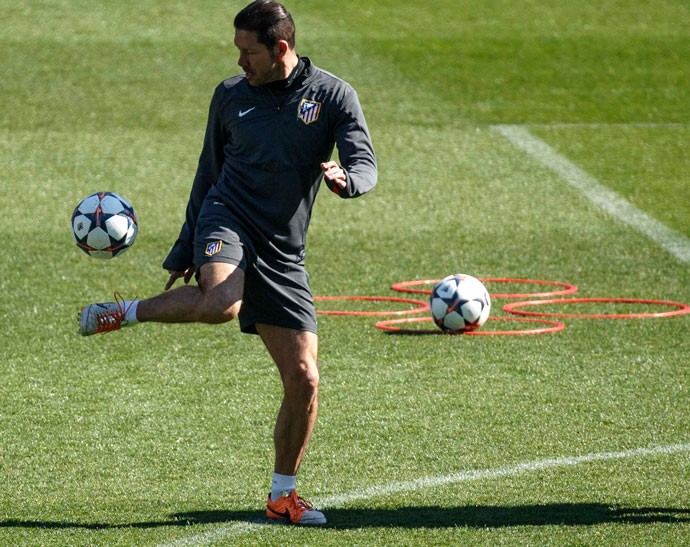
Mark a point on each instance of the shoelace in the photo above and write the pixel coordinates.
(112, 319)
(303, 503)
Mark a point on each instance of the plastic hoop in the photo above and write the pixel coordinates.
(682, 308)
(423, 307)
(568, 288)
(554, 326)
(403, 286)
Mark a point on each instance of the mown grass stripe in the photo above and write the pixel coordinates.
(608, 200)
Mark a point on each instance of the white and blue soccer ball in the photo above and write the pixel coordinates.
(460, 303)
(104, 225)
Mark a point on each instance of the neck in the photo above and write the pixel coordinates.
(289, 63)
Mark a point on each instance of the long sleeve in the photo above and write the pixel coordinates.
(208, 170)
(355, 149)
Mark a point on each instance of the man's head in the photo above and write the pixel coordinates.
(265, 38)
(271, 22)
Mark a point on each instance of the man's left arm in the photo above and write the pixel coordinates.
(357, 173)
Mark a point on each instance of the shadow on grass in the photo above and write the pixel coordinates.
(482, 516)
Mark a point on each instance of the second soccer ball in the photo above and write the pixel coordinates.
(460, 303)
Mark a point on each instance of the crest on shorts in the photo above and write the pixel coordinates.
(213, 248)
(308, 111)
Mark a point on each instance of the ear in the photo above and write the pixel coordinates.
(281, 49)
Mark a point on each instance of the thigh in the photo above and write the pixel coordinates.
(294, 351)
(221, 281)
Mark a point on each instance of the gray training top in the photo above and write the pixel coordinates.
(261, 156)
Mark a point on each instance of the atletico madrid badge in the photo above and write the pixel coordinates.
(308, 111)
(213, 248)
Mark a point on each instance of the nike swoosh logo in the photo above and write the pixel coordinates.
(245, 112)
(281, 514)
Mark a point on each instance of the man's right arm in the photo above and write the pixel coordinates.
(181, 257)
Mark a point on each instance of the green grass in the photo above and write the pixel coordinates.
(163, 433)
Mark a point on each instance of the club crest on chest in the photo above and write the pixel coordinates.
(308, 111)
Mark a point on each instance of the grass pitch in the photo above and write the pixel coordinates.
(161, 435)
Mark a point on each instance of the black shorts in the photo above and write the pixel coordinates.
(275, 292)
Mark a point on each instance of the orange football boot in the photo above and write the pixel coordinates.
(294, 509)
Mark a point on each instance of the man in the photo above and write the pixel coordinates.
(269, 138)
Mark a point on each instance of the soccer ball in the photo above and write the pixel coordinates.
(460, 303)
(104, 225)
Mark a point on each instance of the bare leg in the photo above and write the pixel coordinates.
(217, 298)
(295, 354)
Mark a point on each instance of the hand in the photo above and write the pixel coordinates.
(174, 276)
(332, 172)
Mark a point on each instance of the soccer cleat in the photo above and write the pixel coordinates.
(294, 509)
(103, 317)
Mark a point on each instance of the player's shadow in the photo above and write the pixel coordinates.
(497, 516)
(471, 516)
(482, 516)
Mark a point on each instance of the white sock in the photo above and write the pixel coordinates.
(130, 307)
(281, 484)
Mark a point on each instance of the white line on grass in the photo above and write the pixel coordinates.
(601, 125)
(240, 528)
(675, 243)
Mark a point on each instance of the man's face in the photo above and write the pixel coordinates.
(258, 62)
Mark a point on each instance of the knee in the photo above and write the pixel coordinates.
(303, 382)
(311, 379)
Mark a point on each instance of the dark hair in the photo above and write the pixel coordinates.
(270, 20)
